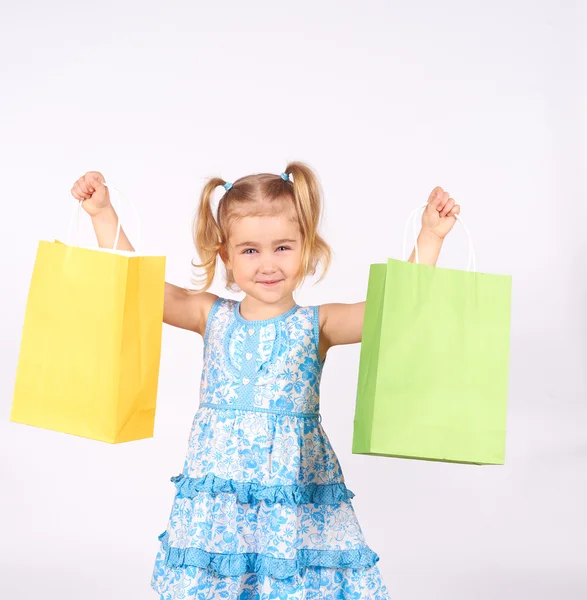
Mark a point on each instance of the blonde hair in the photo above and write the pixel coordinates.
(259, 195)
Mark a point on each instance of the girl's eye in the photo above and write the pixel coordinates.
(251, 250)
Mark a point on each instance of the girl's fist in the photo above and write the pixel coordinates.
(439, 216)
(92, 192)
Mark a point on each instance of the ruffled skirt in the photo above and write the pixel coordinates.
(262, 511)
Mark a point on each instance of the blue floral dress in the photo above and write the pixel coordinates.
(261, 509)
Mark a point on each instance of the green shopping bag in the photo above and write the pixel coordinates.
(433, 372)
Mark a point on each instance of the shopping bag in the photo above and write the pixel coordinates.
(433, 371)
(91, 343)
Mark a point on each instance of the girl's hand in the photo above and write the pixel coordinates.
(90, 189)
(439, 217)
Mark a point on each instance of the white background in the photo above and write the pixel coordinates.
(385, 100)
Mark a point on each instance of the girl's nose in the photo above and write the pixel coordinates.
(268, 265)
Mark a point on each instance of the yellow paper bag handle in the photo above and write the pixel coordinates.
(77, 213)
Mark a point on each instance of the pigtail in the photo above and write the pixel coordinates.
(308, 203)
(207, 236)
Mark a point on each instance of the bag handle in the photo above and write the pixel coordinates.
(76, 218)
(471, 264)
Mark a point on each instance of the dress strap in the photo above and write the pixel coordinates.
(219, 304)
(316, 330)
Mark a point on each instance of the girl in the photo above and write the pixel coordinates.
(261, 508)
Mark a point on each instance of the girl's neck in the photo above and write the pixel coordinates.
(252, 309)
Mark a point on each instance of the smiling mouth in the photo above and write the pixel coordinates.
(270, 282)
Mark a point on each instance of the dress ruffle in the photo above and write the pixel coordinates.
(252, 492)
(278, 568)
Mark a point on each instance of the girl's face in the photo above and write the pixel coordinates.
(264, 254)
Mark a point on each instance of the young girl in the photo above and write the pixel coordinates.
(262, 510)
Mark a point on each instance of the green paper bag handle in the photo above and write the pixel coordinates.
(471, 264)
(77, 214)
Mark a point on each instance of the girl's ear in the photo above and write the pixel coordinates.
(225, 257)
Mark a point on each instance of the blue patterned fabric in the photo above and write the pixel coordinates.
(261, 509)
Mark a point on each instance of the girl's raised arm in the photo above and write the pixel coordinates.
(343, 323)
(185, 309)
(340, 324)
(181, 308)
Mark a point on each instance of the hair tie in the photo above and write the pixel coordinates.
(227, 186)
(285, 177)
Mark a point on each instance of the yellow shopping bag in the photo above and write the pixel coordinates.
(91, 343)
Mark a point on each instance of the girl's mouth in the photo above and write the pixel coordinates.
(271, 283)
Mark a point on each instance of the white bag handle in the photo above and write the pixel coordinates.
(76, 217)
(471, 265)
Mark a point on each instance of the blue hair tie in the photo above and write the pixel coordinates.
(285, 177)
(227, 186)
